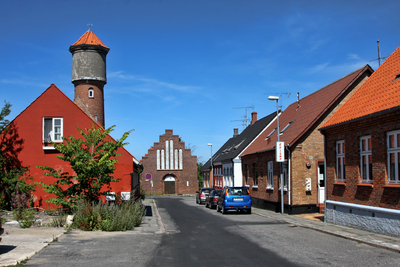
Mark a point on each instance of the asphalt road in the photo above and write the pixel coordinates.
(197, 236)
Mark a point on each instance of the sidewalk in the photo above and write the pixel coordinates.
(19, 244)
(314, 222)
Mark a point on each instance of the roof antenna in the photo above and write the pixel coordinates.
(298, 101)
(379, 56)
(90, 25)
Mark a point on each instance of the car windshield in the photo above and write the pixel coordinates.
(206, 190)
(238, 191)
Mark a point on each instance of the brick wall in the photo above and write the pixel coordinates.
(353, 191)
(92, 106)
(185, 179)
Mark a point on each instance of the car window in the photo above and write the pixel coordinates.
(207, 190)
(238, 191)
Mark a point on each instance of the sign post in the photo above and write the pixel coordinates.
(149, 177)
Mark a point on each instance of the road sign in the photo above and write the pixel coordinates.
(148, 176)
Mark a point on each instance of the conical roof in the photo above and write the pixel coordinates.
(89, 38)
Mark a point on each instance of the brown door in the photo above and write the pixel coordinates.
(169, 187)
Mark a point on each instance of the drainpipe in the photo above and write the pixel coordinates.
(325, 145)
(289, 173)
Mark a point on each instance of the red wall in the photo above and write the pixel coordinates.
(54, 103)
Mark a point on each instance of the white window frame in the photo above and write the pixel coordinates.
(393, 150)
(340, 161)
(54, 132)
(270, 175)
(91, 93)
(366, 159)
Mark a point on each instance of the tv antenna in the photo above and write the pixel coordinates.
(379, 56)
(245, 120)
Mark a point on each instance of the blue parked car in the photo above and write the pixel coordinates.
(234, 198)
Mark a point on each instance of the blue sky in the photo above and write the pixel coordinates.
(191, 65)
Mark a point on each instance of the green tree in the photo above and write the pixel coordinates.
(93, 159)
(11, 170)
(200, 174)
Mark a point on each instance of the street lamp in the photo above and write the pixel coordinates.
(276, 98)
(209, 144)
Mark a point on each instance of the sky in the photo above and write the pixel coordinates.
(197, 67)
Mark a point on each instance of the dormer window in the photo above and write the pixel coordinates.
(397, 76)
(91, 92)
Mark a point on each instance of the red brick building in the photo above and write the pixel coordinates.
(170, 167)
(303, 169)
(362, 141)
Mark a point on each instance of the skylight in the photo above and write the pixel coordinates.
(287, 126)
(397, 77)
(268, 136)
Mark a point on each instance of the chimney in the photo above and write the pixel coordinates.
(235, 132)
(253, 117)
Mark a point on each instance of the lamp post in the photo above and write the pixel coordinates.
(276, 98)
(209, 144)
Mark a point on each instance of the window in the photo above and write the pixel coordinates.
(91, 92)
(270, 175)
(393, 149)
(340, 162)
(247, 170)
(52, 129)
(366, 159)
(287, 126)
(284, 173)
(255, 178)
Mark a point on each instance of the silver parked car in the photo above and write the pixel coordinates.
(202, 194)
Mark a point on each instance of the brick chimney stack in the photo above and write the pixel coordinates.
(235, 132)
(253, 117)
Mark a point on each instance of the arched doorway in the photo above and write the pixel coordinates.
(169, 185)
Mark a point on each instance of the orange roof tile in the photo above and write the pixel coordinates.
(89, 38)
(380, 92)
(305, 113)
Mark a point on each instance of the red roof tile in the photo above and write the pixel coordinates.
(89, 38)
(380, 92)
(311, 109)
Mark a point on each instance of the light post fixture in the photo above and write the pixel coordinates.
(276, 98)
(209, 144)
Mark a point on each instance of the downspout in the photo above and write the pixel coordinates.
(325, 145)
(289, 173)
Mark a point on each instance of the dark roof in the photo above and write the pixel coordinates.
(235, 145)
(306, 113)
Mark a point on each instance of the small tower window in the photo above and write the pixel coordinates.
(91, 92)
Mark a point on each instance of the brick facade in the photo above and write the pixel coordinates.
(378, 193)
(183, 169)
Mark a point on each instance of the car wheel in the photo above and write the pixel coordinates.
(249, 211)
(223, 209)
(217, 208)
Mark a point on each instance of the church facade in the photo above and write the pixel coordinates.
(169, 167)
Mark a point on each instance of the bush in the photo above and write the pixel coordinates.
(120, 216)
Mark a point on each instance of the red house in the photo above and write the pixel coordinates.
(51, 116)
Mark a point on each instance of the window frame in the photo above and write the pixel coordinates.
(90, 92)
(53, 130)
(395, 151)
(340, 161)
(366, 159)
(270, 174)
(255, 174)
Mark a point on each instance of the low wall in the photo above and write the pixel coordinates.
(373, 219)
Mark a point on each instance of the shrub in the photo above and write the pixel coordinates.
(120, 216)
